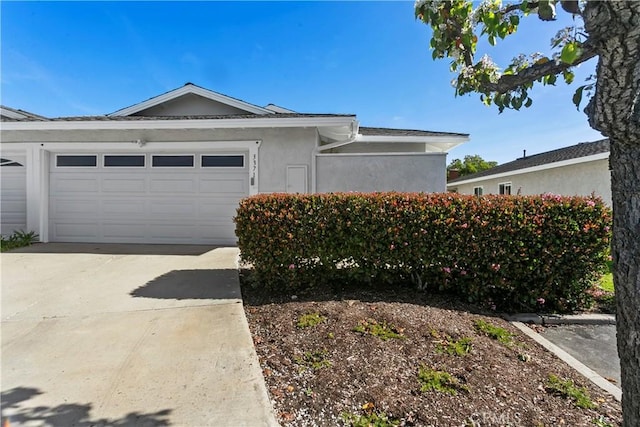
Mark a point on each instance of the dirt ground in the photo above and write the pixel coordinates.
(354, 357)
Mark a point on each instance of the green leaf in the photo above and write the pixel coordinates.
(577, 97)
(528, 103)
(568, 76)
(570, 52)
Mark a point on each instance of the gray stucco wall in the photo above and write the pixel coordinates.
(190, 104)
(580, 179)
(364, 147)
(416, 172)
(280, 146)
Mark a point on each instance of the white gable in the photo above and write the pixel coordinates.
(191, 100)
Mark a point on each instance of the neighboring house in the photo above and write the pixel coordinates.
(579, 170)
(173, 168)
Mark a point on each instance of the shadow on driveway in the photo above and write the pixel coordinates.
(192, 284)
(16, 410)
(115, 249)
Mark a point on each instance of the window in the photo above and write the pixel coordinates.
(123, 161)
(75, 161)
(9, 162)
(504, 188)
(477, 191)
(223, 161)
(172, 161)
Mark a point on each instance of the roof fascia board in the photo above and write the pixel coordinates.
(146, 146)
(11, 114)
(187, 89)
(408, 153)
(433, 143)
(569, 162)
(414, 138)
(271, 122)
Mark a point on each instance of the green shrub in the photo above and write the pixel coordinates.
(18, 239)
(512, 253)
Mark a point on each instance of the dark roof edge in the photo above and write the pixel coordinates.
(582, 149)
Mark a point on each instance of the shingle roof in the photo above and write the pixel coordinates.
(573, 152)
(404, 132)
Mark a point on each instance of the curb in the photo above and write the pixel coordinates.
(560, 319)
(570, 360)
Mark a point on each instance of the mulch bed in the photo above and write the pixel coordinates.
(318, 375)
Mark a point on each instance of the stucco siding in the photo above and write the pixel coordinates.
(279, 146)
(188, 105)
(364, 147)
(580, 179)
(367, 173)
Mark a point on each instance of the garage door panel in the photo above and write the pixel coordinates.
(111, 185)
(170, 209)
(62, 207)
(230, 186)
(14, 181)
(221, 208)
(145, 205)
(74, 184)
(13, 194)
(123, 207)
(76, 231)
(126, 232)
(172, 231)
(175, 185)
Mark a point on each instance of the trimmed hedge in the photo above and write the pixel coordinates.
(512, 253)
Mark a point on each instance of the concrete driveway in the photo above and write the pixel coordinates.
(127, 335)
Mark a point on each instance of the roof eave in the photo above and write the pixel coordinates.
(583, 159)
(266, 122)
(433, 143)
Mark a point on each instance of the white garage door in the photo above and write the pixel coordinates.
(13, 194)
(146, 198)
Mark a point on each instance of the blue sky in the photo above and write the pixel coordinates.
(368, 58)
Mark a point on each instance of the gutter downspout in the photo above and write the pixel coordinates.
(353, 136)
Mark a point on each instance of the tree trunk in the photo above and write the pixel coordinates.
(614, 30)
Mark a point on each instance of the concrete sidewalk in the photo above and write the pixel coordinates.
(587, 342)
(127, 335)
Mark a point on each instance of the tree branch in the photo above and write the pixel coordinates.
(508, 82)
(518, 6)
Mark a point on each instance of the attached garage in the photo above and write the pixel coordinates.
(13, 188)
(173, 169)
(146, 198)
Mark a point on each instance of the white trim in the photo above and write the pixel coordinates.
(592, 158)
(12, 114)
(481, 188)
(436, 144)
(409, 153)
(125, 147)
(190, 89)
(441, 139)
(271, 122)
(278, 109)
